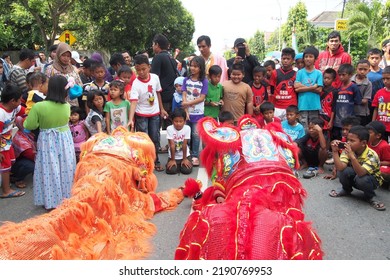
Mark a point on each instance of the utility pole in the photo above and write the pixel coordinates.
(342, 12)
(280, 23)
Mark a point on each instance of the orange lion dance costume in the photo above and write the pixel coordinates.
(261, 213)
(106, 216)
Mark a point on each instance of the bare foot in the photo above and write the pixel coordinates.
(330, 176)
(303, 166)
(20, 184)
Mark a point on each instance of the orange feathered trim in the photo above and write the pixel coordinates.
(106, 216)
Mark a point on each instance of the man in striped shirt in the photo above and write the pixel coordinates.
(18, 72)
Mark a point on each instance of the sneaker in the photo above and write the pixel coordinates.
(329, 161)
(310, 172)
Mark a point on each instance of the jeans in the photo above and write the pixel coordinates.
(367, 183)
(306, 116)
(21, 168)
(151, 126)
(195, 141)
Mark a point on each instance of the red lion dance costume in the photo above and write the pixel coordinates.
(106, 216)
(261, 216)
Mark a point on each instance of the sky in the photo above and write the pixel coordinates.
(225, 20)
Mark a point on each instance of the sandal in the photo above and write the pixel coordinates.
(377, 205)
(334, 193)
(158, 167)
(195, 161)
(13, 194)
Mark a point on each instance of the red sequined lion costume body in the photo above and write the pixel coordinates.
(260, 216)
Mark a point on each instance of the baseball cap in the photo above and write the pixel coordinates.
(76, 57)
(179, 81)
(299, 56)
(377, 127)
(239, 41)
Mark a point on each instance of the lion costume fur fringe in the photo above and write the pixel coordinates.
(113, 196)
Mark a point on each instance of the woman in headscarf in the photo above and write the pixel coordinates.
(62, 66)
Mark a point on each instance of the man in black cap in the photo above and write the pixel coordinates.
(243, 56)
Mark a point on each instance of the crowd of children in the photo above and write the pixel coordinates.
(315, 104)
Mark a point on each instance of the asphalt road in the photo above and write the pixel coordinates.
(350, 229)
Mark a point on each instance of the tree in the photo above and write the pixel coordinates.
(297, 21)
(257, 45)
(104, 24)
(272, 43)
(17, 28)
(365, 19)
(47, 15)
(385, 14)
(130, 25)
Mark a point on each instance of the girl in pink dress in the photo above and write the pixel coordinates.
(77, 128)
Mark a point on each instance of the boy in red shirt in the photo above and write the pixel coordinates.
(267, 110)
(282, 80)
(259, 88)
(327, 96)
(381, 103)
(381, 147)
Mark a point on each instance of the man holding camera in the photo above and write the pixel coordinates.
(243, 56)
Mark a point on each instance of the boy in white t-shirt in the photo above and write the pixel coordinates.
(146, 104)
(178, 135)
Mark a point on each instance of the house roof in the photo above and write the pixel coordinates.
(325, 19)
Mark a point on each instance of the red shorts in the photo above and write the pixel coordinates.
(8, 159)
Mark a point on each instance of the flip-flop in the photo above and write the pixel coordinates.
(195, 161)
(159, 168)
(14, 194)
(377, 205)
(334, 193)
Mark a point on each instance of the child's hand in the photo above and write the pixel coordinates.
(186, 163)
(348, 150)
(185, 104)
(171, 163)
(131, 125)
(164, 114)
(220, 199)
(331, 176)
(317, 128)
(335, 146)
(330, 125)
